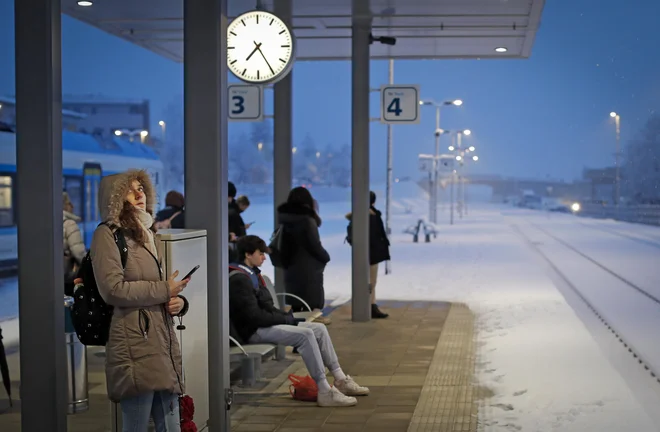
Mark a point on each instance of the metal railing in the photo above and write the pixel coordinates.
(642, 214)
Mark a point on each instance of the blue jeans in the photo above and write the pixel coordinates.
(163, 406)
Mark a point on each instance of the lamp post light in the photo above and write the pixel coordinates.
(433, 191)
(617, 159)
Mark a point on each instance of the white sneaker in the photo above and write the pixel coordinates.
(350, 388)
(335, 398)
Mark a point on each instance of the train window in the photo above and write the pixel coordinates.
(6, 201)
(73, 186)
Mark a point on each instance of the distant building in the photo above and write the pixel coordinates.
(100, 116)
(602, 182)
(70, 119)
(105, 115)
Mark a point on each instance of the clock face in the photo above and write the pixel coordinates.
(259, 47)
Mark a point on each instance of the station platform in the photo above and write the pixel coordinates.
(418, 364)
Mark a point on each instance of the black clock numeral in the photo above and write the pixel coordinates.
(282, 32)
(244, 70)
(230, 47)
(271, 21)
(257, 73)
(257, 19)
(233, 62)
(243, 21)
(233, 33)
(286, 46)
(283, 61)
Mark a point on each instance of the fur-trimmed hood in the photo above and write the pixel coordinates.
(114, 188)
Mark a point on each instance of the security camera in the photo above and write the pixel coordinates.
(386, 40)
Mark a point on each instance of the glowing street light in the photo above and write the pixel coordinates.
(451, 148)
(467, 132)
(613, 114)
(260, 146)
(471, 148)
(459, 158)
(294, 150)
(475, 158)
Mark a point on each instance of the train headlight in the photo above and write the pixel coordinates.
(575, 207)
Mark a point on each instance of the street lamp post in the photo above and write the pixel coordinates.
(617, 160)
(163, 127)
(433, 187)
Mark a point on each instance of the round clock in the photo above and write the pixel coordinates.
(260, 47)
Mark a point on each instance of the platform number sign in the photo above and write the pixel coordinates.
(246, 103)
(399, 104)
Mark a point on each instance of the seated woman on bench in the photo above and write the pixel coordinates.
(256, 320)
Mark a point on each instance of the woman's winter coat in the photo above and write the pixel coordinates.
(308, 257)
(379, 245)
(142, 353)
(74, 247)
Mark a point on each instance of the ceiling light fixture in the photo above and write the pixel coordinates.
(501, 49)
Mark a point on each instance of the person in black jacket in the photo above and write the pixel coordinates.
(308, 258)
(255, 319)
(379, 251)
(174, 206)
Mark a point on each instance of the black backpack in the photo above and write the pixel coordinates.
(90, 314)
(279, 253)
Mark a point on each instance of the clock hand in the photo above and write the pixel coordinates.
(262, 55)
(253, 51)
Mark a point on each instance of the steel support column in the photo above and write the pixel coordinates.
(39, 206)
(361, 304)
(205, 119)
(282, 136)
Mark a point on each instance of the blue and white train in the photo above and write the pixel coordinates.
(84, 161)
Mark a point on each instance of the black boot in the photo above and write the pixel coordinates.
(377, 313)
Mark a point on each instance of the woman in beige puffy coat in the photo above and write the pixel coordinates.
(143, 358)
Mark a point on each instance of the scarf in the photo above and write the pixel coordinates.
(146, 221)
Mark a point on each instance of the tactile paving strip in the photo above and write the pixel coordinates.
(448, 400)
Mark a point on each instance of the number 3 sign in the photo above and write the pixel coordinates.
(246, 103)
(399, 104)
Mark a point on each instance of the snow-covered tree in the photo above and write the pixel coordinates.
(641, 170)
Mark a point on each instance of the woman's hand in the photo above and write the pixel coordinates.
(175, 306)
(176, 286)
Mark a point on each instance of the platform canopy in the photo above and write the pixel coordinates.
(424, 29)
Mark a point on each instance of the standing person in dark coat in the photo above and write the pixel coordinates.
(379, 251)
(173, 211)
(304, 276)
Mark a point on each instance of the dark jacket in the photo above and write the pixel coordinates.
(251, 308)
(379, 245)
(304, 277)
(179, 222)
(235, 220)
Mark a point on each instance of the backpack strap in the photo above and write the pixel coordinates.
(120, 241)
(237, 270)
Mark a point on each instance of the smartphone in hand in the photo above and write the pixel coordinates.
(190, 273)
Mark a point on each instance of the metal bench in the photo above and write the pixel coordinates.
(309, 315)
(250, 356)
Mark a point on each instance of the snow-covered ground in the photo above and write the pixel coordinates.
(552, 365)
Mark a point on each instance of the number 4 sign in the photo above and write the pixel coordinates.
(246, 103)
(399, 104)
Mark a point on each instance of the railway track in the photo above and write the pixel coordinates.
(621, 281)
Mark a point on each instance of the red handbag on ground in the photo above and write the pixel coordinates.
(303, 388)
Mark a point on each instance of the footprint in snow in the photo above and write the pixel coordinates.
(505, 407)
